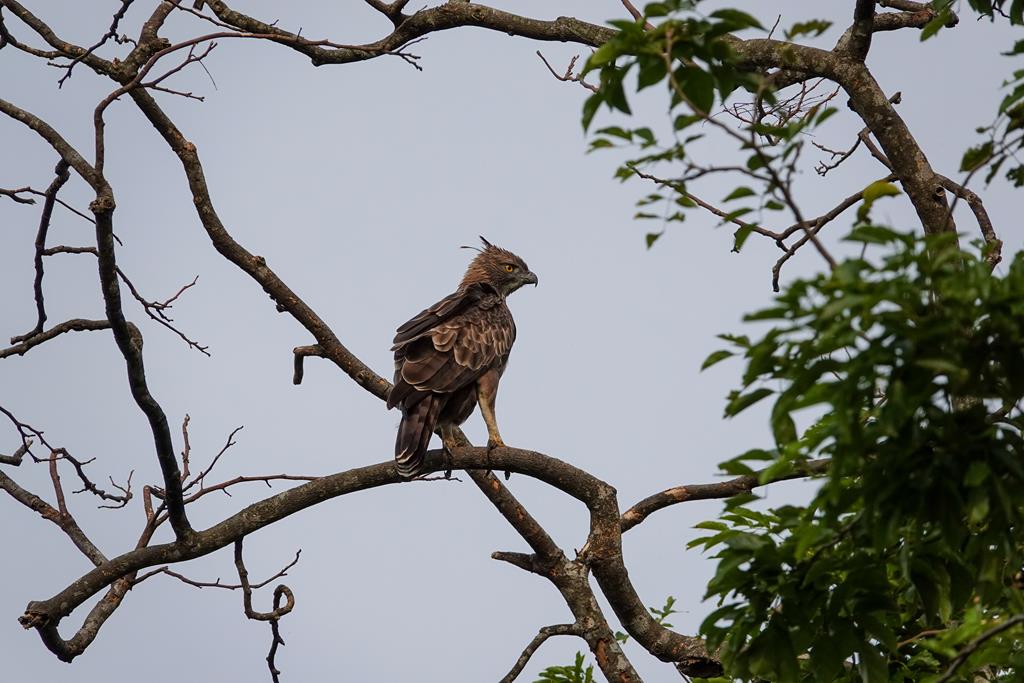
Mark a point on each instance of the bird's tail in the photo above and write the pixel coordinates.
(414, 432)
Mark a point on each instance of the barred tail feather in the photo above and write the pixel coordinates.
(414, 433)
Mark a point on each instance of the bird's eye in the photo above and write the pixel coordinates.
(510, 268)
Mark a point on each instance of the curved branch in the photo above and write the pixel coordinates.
(61, 176)
(74, 325)
(431, 20)
(724, 489)
(538, 640)
(602, 555)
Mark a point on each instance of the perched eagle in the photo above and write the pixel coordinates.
(452, 355)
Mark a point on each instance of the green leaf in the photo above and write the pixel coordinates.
(698, 86)
(739, 193)
(590, 107)
(976, 156)
(604, 54)
(716, 357)
(935, 25)
(737, 19)
(653, 237)
(740, 237)
(873, 192)
(814, 28)
(873, 666)
(878, 189)
(739, 402)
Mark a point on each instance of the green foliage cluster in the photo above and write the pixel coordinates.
(914, 367)
(691, 56)
(574, 673)
(1005, 135)
(903, 367)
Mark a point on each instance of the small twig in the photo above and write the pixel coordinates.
(813, 227)
(120, 500)
(678, 188)
(275, 632)
(156, 310)
(226, 586)
(58, 490)
(723, 489)
(273, 616)
(266, 479)
(568, 76)
(863, 136)
(187, 450)
(995, 251)
(13, 194)
(111, 33)
(243, 577)
(202, 475)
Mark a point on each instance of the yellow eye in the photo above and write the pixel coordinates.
(509, 267)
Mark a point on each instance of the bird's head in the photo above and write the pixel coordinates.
(499, 268)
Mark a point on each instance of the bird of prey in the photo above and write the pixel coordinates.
(451, 356)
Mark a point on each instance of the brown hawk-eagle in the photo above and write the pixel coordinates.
(451, 356)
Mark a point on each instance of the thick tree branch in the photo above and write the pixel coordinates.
(431, 20)
(860, 32)
(603, 552)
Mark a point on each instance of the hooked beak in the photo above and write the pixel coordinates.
(530, 278)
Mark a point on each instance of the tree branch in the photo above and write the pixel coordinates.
(538, 640)
(75, 325)
(724, 489)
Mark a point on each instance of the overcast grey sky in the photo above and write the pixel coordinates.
(358, 183)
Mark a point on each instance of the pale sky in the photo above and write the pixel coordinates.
(358, 183)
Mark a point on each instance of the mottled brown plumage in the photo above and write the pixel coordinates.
(451, 356)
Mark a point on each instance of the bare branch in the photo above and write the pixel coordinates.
(995, 251)
(273, 616)
(568, 76)
(680, 188)
(217, 584)
(156, 310)
(75, 325)
(111, 33)
(300, 354)
(62, 175)
(18, 455)
(538, 640)
(724, 489)
(814, 226)
(13, 194)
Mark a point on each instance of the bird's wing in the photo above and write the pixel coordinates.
(449, 345)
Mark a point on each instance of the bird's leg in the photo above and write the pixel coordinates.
(486, 393)
(447, 444)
